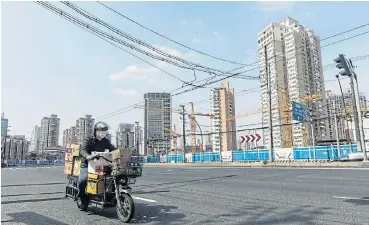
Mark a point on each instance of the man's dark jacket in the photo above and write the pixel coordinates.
(91, 144)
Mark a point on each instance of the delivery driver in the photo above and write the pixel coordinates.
(97, 143)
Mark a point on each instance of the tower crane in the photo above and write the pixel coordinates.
(175, 135)
(193, 125)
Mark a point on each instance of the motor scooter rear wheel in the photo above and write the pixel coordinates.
(127, 210)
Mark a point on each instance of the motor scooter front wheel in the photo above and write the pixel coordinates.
(126, 211)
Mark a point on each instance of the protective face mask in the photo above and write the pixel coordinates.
(100, 134)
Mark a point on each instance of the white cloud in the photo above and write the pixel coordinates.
(218, 35)
(194, 22)
(273, 6)
(126, 92)
(150, 75)
(133, 72)
(199, 41)
(169, 50)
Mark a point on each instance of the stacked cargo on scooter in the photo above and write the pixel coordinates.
(99, 166)
(72, 160)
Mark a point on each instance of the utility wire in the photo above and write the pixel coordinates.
(236, 68)
(161, 35)
(91, 17)
(230, 76)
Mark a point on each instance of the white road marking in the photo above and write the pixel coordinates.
(143, 199)
(350, 198)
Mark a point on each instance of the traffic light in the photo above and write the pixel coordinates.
(342, 63)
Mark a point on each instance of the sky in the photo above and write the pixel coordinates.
(51, 66)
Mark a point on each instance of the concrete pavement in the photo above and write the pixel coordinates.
(198, 195)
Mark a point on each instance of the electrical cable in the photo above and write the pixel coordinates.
(251, 69)
(185, 46)
(131, 38)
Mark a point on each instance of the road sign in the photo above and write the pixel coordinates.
(247, 138)
(250, 138)
(258, 137)
(242, 139)
(298, 111)
(366, 115)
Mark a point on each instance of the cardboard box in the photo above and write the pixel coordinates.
(68, 157)
(99, 170)
(121, 158)
(68, 168)
(75, 149)
(76, 166)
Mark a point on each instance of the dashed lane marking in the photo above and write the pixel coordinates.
(144, 199)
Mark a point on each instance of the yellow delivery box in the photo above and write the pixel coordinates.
(94, 185)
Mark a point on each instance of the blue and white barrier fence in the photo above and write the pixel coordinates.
(296, 154)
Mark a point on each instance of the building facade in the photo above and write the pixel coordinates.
(223, 123)
(339, 105)
(84, 128)
(35, 139)
(49, 132)
(125, 135)
(16, 148)
(4, 126)
(70, 136)
(157, 122)
(290, 57)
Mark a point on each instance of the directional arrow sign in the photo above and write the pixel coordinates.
(247, 138)
(252, 138)
(242, 139)
(258, 137)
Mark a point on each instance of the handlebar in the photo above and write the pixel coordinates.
(100, 156)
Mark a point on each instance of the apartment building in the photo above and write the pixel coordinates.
(49, 132)
(157, 122)
(70, 136)
(290, 55)
(125, 135)
(339, 104)
(35, 139)
(84, 128)
(222, 109)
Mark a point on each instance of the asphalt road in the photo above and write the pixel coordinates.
(35, 196)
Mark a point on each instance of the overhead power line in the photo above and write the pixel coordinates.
(230, 76)
(95, 19)
(169, 39)
(60, 13)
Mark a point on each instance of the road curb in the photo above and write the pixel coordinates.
(261, 164)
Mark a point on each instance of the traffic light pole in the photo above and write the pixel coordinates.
(343, 63)
(361, 126)
(356, 117)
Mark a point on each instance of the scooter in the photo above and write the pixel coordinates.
(108, 190)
